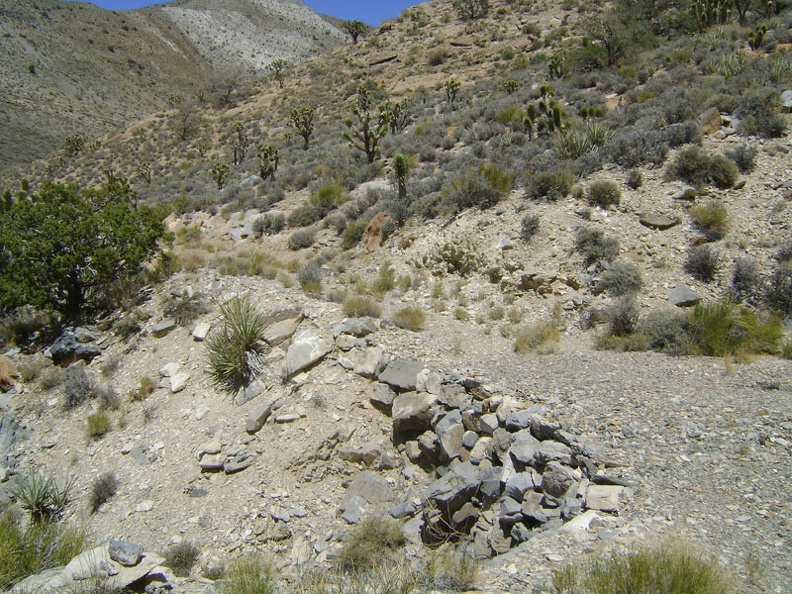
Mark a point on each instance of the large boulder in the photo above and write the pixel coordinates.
(412, 411)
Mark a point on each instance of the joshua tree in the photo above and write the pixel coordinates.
(401, 170)
(219, 174)
(370, 127)
(302, 119)
(239, 143)
(277, 67)
(452, 87)
(268, 160)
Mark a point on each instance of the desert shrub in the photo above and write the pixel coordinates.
(786, 350)
(97, 424)
(186, 308)
(550, 185)
(529, 226)
(620, 278)
(604, 193)
(234, 347)
(724, 328)
(42, 497)
(310, 277)
(302, 239)
(634, 179)
(102, 489)
(410, 318)
(670, 568)
(376, 539)
(758, 113)
(353, 232)
(744, 156)
(694, 166)
(437, 57)
(623, 316)
(77, 387)
(26, 327)
(304, 215)
(480, 189)
(356, 306)
(542, 338)
(746, 284)
(270, 223)
(594, 246)
(26, 551)
(712, 219)
(702, 263)
(666, 331)
(181, 558)
(251, 574)
(723, 172)
(127, 327)
(632, 147)
(779, 291)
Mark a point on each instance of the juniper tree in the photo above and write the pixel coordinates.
(64, 249)
(354, 29)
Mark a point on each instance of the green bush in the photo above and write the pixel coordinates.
(248, 575)
(604, 193)
(356, 306)
(181, 558)
(666, 331)
(302, 239)
(529, 227)
(550, 185)
(353, 232)
(235, 345)
(712, 219)
(480, 189)
(410, 318)
(592, 244)
(304, 215)
(702, 263)
(35, 548)
(103, 488)
(671, 568)
(723, 328)
(42, 497)
(694, 166)
(623, 316)
(620, 278)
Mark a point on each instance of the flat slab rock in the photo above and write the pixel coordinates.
(401, 374)
(306, 350)
(658, 222)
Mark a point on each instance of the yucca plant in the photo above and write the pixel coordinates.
(235, 347)
(42, 497)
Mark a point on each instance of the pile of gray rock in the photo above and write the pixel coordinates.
(503, 471)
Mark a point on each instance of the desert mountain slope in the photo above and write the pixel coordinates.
(72, 68)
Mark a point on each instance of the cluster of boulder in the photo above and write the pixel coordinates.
(503, 471)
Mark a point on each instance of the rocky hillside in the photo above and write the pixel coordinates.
(72, 68)
(549, 320)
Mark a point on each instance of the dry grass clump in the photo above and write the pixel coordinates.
(356, 306)
(373, 541)
(248, 575)
(97, 425)
(410, 318)
(543, 338)
(712, 219)
(102, 489)
(669, 568)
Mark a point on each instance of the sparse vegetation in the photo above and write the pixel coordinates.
(604, 193)
(251, 574)
(668, 568)
(97, 424)
(542, 338)
(182, 557)
(356, 306)
(620, 278)
(702, 263)
(410, 318)
(712, 219)
(372, 542)
(103, 488)
(594, 246)
(529, 227)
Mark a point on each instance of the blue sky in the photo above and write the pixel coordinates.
(372, 12)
